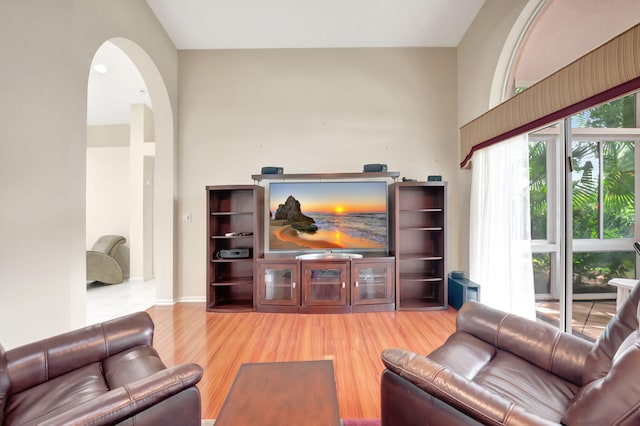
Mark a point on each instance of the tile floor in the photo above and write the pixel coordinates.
(107, 301)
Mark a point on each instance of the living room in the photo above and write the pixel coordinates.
(221, 116)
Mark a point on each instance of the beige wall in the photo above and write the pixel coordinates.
(107, 182)
(479, 52)
(483, 60)
(107, 192)
(47, 50)
(309, 110)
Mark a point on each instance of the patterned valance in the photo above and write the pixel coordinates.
(610, 71)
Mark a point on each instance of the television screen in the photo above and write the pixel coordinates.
(337, 216)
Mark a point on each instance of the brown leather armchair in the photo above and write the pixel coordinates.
(501, 369)
(103, 374)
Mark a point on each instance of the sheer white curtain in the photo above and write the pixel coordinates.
(500, 233)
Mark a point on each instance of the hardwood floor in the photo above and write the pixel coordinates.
(220, 342)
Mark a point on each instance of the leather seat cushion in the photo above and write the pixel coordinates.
(131, 365)
(60, 394)
(526, 385)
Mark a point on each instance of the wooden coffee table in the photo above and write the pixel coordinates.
(282, 393)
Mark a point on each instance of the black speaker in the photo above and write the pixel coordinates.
(374, 168)
(269, 170)
(461, 289)
(434, 178)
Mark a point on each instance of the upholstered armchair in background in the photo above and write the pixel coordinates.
(108, 260)
(104, 374)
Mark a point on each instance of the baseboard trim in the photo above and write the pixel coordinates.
(171, 302)
(192, 299)
(164, 302)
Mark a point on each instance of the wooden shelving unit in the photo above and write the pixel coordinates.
(412, 277)
(234, 209)
(418, 241)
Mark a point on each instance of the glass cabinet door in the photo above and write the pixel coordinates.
(326, 283)
(278, 284)
(372, 282)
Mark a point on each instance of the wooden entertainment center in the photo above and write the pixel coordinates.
(241, 276)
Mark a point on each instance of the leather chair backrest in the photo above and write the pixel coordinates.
(5, 384)
(613, 399)
(38, 362)
(611, 378)
(625, 322)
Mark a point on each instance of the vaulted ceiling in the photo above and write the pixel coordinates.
(562, 32)
(260, 24)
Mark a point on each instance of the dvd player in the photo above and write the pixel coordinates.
(233, 254)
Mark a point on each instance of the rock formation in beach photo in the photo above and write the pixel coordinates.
(291, 213)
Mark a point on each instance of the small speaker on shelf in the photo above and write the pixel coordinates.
(434, 178)
(270, 170)
(374, 168)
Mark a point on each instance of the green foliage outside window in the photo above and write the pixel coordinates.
(538, 189)
(618, 203)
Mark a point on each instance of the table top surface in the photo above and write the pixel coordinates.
(624, 282)
(277, 393)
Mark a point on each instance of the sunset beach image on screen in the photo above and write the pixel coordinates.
(327, 216)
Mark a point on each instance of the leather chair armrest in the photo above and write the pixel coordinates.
(38, 362)
(476, 401)
(541, 344)
(128, 400)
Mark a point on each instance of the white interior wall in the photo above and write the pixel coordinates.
(43, 117)
(42, 168)
(309, 110)
(148, 214)
(107, 181)
(478, 55)
(142, 146)
(107, 192)
(43, 163)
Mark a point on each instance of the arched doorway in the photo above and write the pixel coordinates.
(151, 168)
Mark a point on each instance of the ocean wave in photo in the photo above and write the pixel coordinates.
(369, 226)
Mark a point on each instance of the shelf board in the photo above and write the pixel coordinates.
(428, 210)
(382, 284)
(408, 276)
(274, 286)
(422, 228)
(226, 282)
(230, 213)
(324, 283)
(360, 175)
(417, 304)
(236, 306)
(246, 259)
(230, 237)
(419, 256)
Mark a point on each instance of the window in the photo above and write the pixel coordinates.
(602, 213)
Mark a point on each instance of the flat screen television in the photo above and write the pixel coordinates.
(320, 216)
